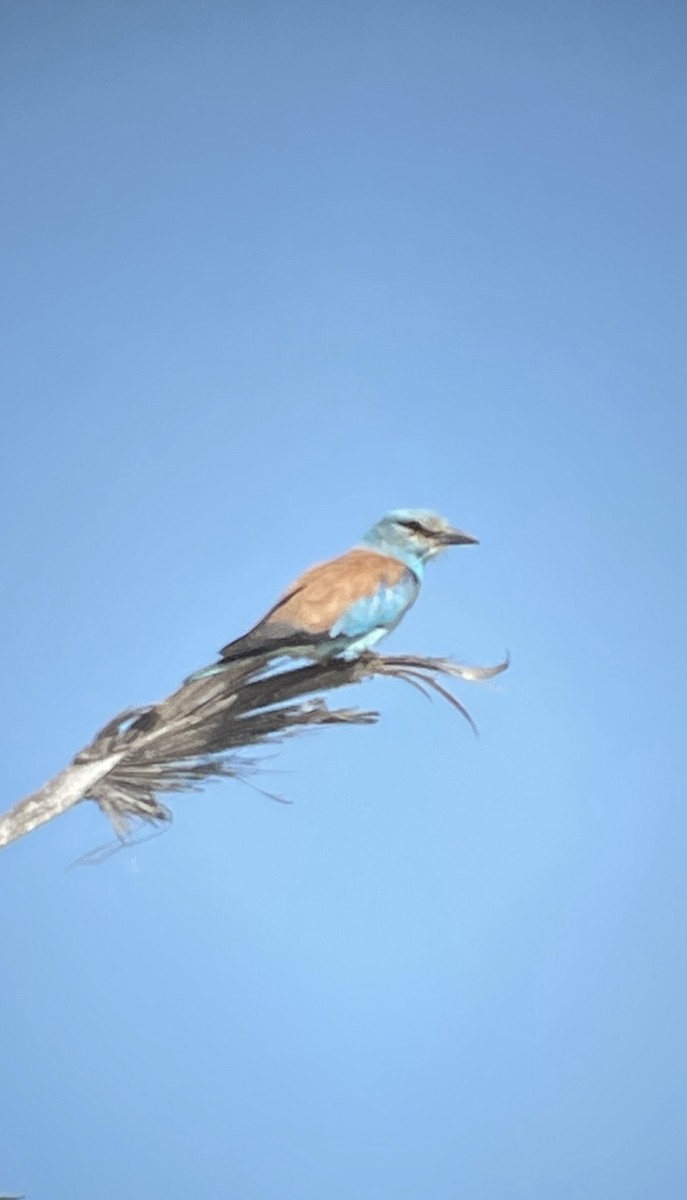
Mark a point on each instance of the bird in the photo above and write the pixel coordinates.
(343, 607)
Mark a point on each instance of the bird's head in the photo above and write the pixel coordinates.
(415, 535)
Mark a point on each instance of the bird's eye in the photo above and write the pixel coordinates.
(415, 526)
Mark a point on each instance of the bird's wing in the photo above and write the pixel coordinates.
(347, 596)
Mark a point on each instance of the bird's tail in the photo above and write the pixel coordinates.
(257, 643)
(206, 672)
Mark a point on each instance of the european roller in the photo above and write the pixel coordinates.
(343, 607)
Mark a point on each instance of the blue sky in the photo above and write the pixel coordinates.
(270, 271)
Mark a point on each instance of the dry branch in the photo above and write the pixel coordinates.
(199, 732)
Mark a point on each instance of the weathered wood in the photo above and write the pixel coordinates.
(199, 732)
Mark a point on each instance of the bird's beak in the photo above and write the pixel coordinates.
(456, 537)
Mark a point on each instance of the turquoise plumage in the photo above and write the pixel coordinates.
(344, 607)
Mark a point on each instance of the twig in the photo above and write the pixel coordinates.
(199, 732)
